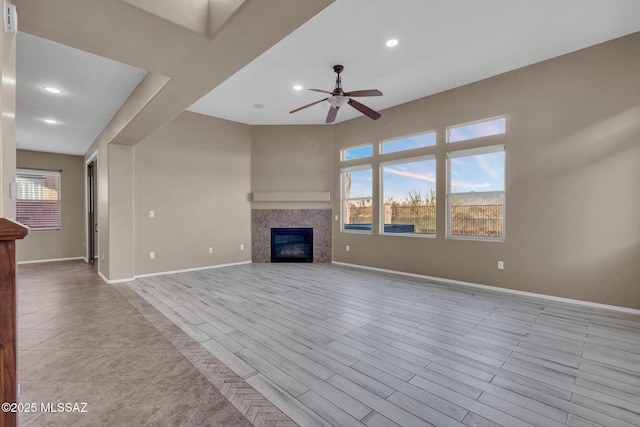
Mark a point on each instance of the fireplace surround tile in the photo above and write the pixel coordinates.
(262, 220)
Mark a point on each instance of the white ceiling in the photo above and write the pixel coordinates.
(442, 45)
(94, 89)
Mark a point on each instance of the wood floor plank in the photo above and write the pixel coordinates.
(386, 408)
(378, 420)
(433, 400)
(406, 361)
(242, 342)
(348, 372)
(295, 409)
(629, 412)
(570, 407)
(470, 404)
(475, 420)
(288, 355)
(273, 373)
(611, 387)
(575, 421)
(328, 411)
(519, 412)
(421, 410)
(338, 398)
(232, 361)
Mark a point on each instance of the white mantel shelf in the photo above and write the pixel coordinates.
(292, 196)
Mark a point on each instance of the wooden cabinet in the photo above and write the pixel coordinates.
(9, 232)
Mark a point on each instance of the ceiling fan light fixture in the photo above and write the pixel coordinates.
(337, 101)
(297, 87)
(337, 98)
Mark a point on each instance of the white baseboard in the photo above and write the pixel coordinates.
(494, 288)
(113, 282)
(37, 261)
(162, 273)
(190, 269)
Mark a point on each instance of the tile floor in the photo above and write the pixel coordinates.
(80, 340)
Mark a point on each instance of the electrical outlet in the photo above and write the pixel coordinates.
(336, 217)
(210, 250)
(346, 248)
(152, 214)
(241, 247)
(500, 265)
(152, 255)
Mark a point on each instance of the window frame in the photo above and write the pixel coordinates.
(381, 187)
(488, 149)
(344, 150)
(344, 171)
(488, 119)
(408, 150)
(43, 173)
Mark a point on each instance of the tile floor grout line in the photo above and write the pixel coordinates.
(203, 359)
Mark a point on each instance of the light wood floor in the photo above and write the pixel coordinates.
(330, 345)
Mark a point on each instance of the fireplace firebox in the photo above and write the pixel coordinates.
(292, 245)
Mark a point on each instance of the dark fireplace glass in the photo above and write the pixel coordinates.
(292, 245)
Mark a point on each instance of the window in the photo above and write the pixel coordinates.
(476, 193)
(357, 152)
(406, 190)
(357, 199)
(408, 143)
(478, 129)
(409, 195)
(38, 203)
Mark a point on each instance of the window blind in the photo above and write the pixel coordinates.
(38, 203)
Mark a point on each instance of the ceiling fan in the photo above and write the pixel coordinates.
(339, 97)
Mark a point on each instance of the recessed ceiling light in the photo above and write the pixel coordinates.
(258, 105)
(52, 89)
(392, 42)
(50, 121)
(297, 87)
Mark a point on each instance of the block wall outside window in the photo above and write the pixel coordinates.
(476, 195)
(357, 200)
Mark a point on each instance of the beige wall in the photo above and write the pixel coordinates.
(121, 212)
(68, 242)
(291, 159)
(572, 176)
(7, 122)
(194, 173)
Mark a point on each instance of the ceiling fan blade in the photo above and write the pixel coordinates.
(368, 92)
(308, 105)
(364, 109)
(333, 111)
(320, 90)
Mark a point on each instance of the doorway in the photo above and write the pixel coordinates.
(92, 218)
